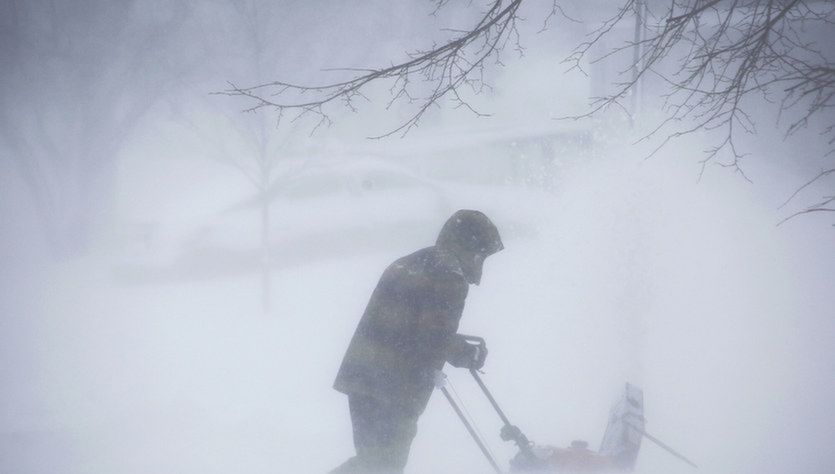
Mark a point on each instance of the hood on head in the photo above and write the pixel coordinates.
(471, 237)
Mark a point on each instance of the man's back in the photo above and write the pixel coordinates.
(405, 328)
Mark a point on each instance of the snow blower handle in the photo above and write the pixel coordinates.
(509, 432)
(441, 383)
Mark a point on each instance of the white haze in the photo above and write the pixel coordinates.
(150, 352)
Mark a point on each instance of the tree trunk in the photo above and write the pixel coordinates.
(636, 59)
(266, 276)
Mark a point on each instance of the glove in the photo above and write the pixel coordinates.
(479, 357)
(463, 354)
(438, 378)
(510, 433)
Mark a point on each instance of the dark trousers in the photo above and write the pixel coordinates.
(383, 434)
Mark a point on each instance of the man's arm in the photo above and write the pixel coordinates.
(442, 303)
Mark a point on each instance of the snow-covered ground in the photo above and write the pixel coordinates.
(629, 271)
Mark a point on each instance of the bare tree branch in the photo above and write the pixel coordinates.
(422, 81)
(730, 51)
(714, 56)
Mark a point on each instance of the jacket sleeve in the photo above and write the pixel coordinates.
(440, 312)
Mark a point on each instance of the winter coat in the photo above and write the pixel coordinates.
(408, 331)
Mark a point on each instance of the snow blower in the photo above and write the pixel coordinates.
(618, 450)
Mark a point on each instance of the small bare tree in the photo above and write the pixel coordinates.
(252, 145)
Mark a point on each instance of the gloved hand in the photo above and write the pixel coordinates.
(438, 378)
(463, 354)
(510, 433)
(479, 357)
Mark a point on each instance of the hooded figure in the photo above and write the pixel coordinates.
(407, 332)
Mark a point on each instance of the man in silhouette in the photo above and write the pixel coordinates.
(406, 334)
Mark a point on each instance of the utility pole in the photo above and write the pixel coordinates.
(640, 12)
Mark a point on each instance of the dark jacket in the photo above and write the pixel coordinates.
(408, 330)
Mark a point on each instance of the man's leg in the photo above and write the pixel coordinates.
(351, 466)
(383, 435)
(362, 420)
(398, 433)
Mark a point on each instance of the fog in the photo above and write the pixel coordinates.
(141, 333)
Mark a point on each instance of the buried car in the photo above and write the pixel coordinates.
(318, 212)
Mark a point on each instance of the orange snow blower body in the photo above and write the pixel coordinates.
(618, 450)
